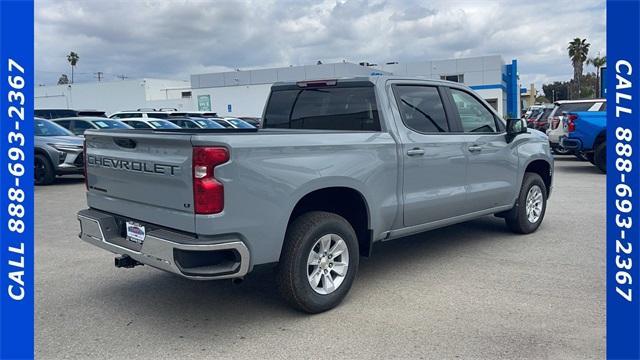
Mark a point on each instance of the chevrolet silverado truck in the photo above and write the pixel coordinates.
(338, 166)
(587, 134)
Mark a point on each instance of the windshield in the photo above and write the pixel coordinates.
(48, 128)
(163, 124)
(110, 124)
(209, 124)
(241, 124)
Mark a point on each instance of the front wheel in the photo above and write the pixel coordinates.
(526, 216)
(43, 172)
(319, 261)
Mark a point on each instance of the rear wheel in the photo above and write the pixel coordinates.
(590, 157)
(526, 216)
(43, 170)
(600, 157)
(559, 150)
(319, 261)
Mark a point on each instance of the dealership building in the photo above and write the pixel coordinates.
(244, 92)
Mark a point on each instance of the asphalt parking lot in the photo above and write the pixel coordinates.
(469, 291)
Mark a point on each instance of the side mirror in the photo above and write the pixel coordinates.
(515, 127)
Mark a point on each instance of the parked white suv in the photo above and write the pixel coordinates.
(141, 113)
(556, 131)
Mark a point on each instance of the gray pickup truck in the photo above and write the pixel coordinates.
(339, 165)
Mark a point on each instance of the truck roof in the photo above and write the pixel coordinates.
(372, 79)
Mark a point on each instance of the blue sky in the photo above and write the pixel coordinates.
(173, 39)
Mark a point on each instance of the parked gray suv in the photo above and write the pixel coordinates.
(57, 152)
(338, 166)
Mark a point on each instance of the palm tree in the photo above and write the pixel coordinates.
(597, 62)
(73, 59)
(578, 51)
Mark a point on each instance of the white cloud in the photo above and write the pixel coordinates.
(172, 39)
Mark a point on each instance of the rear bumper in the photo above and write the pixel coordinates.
(190, 257)
(571, 144)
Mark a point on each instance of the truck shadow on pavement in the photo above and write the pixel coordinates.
(587, 168)
(188, 308)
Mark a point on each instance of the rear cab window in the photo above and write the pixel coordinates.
(347, 106)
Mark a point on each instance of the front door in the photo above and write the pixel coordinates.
(433, 158)
(492, 162)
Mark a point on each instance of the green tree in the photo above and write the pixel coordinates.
(73, 59)
(578, 50)
(558, 90)
(63, 80)
(597, 62)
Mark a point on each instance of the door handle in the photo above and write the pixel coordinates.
(474, 148)
(415, 152)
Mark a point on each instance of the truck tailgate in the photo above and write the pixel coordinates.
(141, 175)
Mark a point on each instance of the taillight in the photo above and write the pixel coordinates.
(571, 122)
(208, 193)
(84, 160)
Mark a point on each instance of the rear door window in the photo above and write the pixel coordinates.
(324, 108)
(137, 124)
(79, 126)
(64, 123)
(421, 108)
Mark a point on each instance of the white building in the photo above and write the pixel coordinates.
(112, 96)
(244, 93)
(240, 93)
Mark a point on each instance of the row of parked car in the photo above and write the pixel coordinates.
(575, 127)
(59, 142)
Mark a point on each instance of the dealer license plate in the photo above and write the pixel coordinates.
(135, 232)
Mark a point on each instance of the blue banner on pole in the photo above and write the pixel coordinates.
(623, 192)
(16, 175)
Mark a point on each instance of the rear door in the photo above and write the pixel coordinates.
(434, 162)
(144, 176)
(492, 162)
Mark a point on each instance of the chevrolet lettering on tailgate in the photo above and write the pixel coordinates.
(132, 165)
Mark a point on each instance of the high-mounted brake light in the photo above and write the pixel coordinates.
(316, 83)
(208, 192)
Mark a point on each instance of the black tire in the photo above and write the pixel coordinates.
(43, 171)
(516, 218)
(293, 271)
(600, 157)
(590, 157)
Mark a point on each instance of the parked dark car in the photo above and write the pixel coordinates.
(149, 123)
(195, 123)
(63, 113)
(255, 121)
(541, 119)
(57, 152)
(78, 125)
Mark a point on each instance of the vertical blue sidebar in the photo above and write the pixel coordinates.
(16, 179)
(623, 169)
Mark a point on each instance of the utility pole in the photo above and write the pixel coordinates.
(122, 77)
(99, 75)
